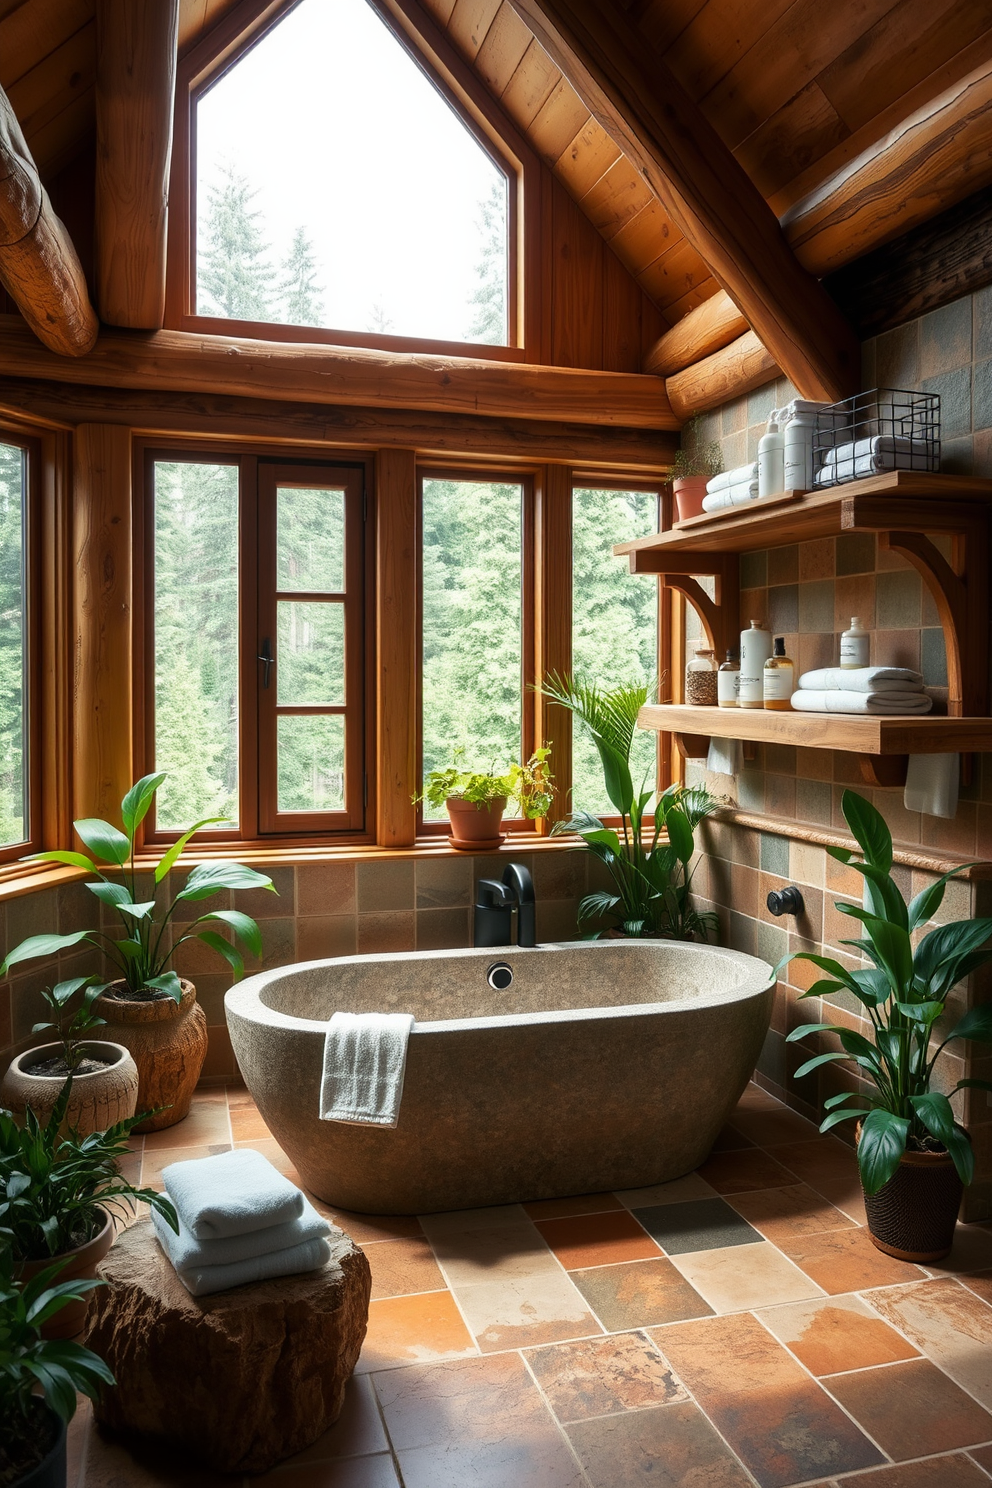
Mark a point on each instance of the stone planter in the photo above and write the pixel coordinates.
(912, 1217)
(81, 1264)
(96, 1101)
(475, 828)
(168, 1043)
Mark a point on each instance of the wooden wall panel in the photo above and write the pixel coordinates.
(396, 638)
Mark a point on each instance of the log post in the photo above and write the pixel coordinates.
(396, 633)
(39, 266)
(736, 369)
(708, 328)
(135, 103)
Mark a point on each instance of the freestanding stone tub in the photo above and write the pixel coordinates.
(605, 1064)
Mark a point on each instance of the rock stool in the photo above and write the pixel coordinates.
(240, 1379)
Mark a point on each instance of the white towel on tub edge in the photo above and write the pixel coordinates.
(364, 1068)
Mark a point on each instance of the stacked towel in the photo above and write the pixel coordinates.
(731, 488)
(871, 456)
(883, 690)
(240, 1221)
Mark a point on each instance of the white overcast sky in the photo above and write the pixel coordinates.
(342, 134)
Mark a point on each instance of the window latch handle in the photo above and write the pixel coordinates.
(265, 656)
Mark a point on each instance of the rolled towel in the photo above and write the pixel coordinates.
(862, 679)
(731, 496)
(877, 446)
(739, 477)
(932, 784)
(724, 757)
(364, 1067)
(861, 702)
(189, 1254)
(203, 1280)
(233, 1193)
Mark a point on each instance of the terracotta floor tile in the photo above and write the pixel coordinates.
(730, 1139)
(674, 1192)
(781, 1424)
(846, 1261)
(738, 1172)
(208, 1122)
(983, 1455)
(247, 1125)
(756, 1099)
(823, 1160)
(673, 1446)
(981, 1284)
(639, 1293)
(357, 1432)
(110, 1464)
(465, 1220)
(846, 1194)
(471, 1257)
(514, 1462)
(400, 1267)
(351, 1472)
(239, 1096)
(932, 1472)
(950, 1324)
(768, 1128)
(460, 1401)
(414, 1330)
(971, 1251)
(269, 1147)
(696, 1224)
(832, 1336)
(154, 1161)
(784, 1213)
(733, 1280)
(523, 1311)
(597, 1239)
(600, 1376)
(362, 1227)
(912, 1409)
(565, 1208)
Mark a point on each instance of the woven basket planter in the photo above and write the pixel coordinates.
(912, 1217)
(168, 1043)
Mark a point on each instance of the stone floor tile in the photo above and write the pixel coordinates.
(471, 1257)
(514, 1462)
(971, 1251)
(674, 1192)
(357, 1432)
(730, 1139)
(565, 1208)
(912, 1409)
(784, 1213)
(597, 1239)
(414, 1330)
(352, 1472)
(402, 1267)
(738, 1172)
(466, 1220)
(110, 1464)
(950, 1324)
(756, 1099)
(734, 1280)
(823, 1160)
(673, 1446)
(600, 1376)
(979, 1282)
(768, 1127)
(983, 1455)
(522, 1311)
(208, 1123)
(834, 1335)
(846, 1261)
(845, 1194)
(465, 1400)
(954, 1471)
(696, 1224)
(364, 1227)
(639, 1293)
(247, 1124)
(155, 1160)
(269, 1147)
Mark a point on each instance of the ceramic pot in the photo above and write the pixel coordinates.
(912, 1217)
(81, 1265)
(475, 828)
(689, 491)
(52, 1470)
(167, 1041)
(96, 1101)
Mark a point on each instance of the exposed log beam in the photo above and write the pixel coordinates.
(637, 100)
(712, 325)
(135, 103)
(39, 266)
(930, 161)
(735, 369)
(182, 361)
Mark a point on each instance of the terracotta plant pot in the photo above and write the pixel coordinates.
(475, 828)
(82, 1264)
(689, 491)
(912, 1217)
(96, 1101)
(168, 1043)
(51, 1471)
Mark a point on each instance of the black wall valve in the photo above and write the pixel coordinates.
(786, 901)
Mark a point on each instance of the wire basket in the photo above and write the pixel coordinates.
(883, 429)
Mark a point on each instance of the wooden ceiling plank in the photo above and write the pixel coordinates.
(703, 189)
(586, 158)
(674, 274)
(32, 31)
(61, 140)
(617, 197)
(716, 39)
(530, 87)
(662, 21)
(135, 104)
(647, 234)
(500, 54)
(708, 328)
(469, 22)
(797, 133)
(693, 298)
(47, 89)
(558, 121)
(440, 10)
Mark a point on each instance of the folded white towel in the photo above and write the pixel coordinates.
(731, 496)
(871, 457)
(203, 1280)
(932, 784)
(364, 1067)
(189, 1254)
(739, 477)
(230, 1194)
(861, 702)
(724, 757)
(862, 679)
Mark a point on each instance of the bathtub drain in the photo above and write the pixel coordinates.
(499, 976)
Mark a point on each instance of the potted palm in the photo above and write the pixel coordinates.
(650, 858)
(477, 799)
(149, 1008)
(39, 1378)
(696, 462)
(914, 1155)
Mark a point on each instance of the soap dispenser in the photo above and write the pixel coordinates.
(771, 459)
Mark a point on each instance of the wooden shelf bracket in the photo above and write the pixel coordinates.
(682, 571)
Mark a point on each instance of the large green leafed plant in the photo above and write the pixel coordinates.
(142, 954)
(904, 991)
(652, 877)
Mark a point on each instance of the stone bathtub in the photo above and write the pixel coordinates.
(604, 1065)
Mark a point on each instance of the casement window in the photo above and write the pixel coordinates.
(20, 827)
(256, 644)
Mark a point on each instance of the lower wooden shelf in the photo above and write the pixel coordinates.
(855, 732)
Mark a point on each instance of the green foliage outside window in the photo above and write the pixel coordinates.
(13, 823)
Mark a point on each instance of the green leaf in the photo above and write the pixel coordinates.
(842, 854)
(113, 894)
(859, 1047)
(973, 1085)
(137, 911)
(938, 953)
(882, 1144)
(42, 945)
(826, 963)
(921, 1012)
(243, 926)
(812, 1064)
(167, 982)
(926, 903)
(884, 898)
(836, 1117)
(976, 1024)
(934, 1110)
(959, 1146)
(176, 850)
(679, 833)
(71, 859)
(103, 840)
(134, 807)
(209, 878)
(869, 829)
(603, 837)
(805, 1028)
(838, 1100)
(223, 948)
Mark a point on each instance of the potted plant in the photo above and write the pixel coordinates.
(105, 1077)
(149, 1009)
(62, 1195)
(39, 1378)
(696, 462)
(652, 879)
(476, 799)
(913, 1154)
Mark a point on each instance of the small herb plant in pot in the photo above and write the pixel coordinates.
(913, 1154)
(39, 1377)
(105, 1077)
(149, 1009)
(476, 799)
(695, 463)
(62, 1195)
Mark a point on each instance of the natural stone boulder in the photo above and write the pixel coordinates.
(241, 1379)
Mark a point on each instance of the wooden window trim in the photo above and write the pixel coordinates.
(33, 541)
(244, 26)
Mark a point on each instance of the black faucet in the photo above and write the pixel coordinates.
(495, 904)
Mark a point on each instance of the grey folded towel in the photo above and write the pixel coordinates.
(189, 1254)
(230, 1194)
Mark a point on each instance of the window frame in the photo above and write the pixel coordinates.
(432, 52)
(34, 775)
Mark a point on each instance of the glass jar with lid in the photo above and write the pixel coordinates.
(701, 680)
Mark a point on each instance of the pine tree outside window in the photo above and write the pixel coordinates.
(19, 702)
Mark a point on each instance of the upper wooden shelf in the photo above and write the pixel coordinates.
(855, 732)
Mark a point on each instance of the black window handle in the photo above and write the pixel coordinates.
(265, 656)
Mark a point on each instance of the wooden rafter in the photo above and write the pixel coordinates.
(708, 328)
(636, 98)
(736, 369)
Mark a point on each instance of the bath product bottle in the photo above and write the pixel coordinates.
(701, 679)
(798, 452)
(854, 645)
(771, 460)
(778, 678)
(728, 682)
(756, 647)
